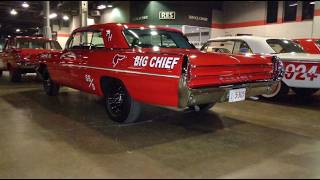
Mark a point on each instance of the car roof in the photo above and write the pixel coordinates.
(306, 39)
(127, 25)
(257, 44)
(33, 37)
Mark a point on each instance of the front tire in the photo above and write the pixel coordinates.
(304, 92)
(15, 75)
(120, 106)
(50, 87)
(279, 90)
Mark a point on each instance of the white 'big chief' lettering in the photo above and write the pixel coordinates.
(156, 62)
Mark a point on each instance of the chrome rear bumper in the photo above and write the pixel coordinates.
(190, 97)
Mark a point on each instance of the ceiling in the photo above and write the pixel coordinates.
(28, 19)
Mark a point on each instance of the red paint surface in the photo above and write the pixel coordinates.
(309, 45)
(208, 69)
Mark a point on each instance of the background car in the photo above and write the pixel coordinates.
(311, 46)
(302, 69)
(20, 54)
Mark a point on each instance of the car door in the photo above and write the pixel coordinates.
(67, 66)
(93, 57)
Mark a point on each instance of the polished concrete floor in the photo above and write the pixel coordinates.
(70, 137)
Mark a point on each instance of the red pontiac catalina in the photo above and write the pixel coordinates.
(128, 64)
(311, 46)
(20, 54)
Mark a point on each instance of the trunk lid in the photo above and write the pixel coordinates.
(216, 69)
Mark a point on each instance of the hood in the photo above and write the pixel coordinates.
(298, 57)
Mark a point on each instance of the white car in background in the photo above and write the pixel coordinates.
(302, 69)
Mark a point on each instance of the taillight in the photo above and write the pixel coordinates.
(278, 68)
(186, 69)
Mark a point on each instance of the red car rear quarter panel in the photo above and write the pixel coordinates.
(149, 77)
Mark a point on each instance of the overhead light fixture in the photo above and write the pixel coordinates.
(102, 6)
(110, 6)
(295, 4)
(65, 17)
(25, 5)
(13, 12)
(18, 30)
(312, 2)
(53, 15)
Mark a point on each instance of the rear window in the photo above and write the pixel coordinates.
(227, 46)
(37, 44)
(148, 38)
(284, 46)
(317, 43)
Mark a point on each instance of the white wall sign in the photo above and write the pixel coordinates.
(197, 18)
(167, 15)
(140, 18)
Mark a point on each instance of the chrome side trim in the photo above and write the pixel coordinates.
(123, 71)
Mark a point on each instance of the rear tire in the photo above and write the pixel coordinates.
(15, 75)
(304, 92)
(120, 106)
(203, 107)
(280, 90)
(50, 87)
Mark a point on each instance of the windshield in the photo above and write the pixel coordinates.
(38, 44)
(284, 46)
(148, 38)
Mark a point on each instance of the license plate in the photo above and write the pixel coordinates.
(236, 95)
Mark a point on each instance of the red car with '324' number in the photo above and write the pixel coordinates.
(129, 64)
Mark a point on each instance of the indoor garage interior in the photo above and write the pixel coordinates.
(57, 114)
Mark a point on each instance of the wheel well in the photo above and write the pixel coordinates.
(42, 67)
(106, 81)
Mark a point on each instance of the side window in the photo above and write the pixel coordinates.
(241, 47)
(224, 46)
(23, 44)
(75, 41)
(84, 40)
(97, 41)
(167, 42)
(6, 46)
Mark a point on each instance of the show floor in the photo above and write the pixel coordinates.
(70, 136)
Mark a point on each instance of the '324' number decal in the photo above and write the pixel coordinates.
(301, 72)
